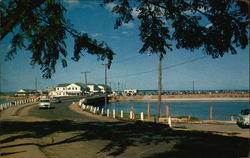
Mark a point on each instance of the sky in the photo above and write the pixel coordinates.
(130, 70)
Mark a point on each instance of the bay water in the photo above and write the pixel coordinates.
(200, 110)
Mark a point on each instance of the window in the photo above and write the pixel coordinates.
(63, 88)
(69, 88)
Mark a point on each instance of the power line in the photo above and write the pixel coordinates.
(164, 68)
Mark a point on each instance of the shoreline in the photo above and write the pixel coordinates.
(226, 99)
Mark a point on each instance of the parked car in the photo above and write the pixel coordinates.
(56, 100)
(243, 120)
(44, 104)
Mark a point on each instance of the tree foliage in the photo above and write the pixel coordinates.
(215, 26)
(41, 28)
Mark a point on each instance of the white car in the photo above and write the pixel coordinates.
(243, 119)
(44, 104)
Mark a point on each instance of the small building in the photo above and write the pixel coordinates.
(102, 88)
(130, 91)
(94, 88)
(26, 92)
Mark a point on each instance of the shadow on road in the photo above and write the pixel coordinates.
(125, 134)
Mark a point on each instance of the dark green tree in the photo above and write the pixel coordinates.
(216, 26)
(229, 21)
(40, 27)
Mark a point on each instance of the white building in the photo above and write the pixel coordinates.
(102, 88)
(75, 89)
(93, 88)
(71, 89)
(26, 92)
(130, 91)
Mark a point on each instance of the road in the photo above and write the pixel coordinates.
(63, 133)
(60, 112)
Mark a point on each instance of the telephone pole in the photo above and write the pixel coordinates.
(105, 87)
(193, 86)
(159, 85)
(36, 84)
(85, 78)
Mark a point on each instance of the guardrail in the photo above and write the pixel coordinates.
(15, 103)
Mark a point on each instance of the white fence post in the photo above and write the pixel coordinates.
(107, 112)
(102, 111)
(131, 115)
(121, 113)
(113, 113)
(169, 122)
(142, 116)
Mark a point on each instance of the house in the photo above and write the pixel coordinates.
(93, 88)
(71, 89)
(76, 89)
(26, 92)
(102, 88)
(130, 91)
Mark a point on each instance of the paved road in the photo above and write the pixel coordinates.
(60, 112)
(62, 133)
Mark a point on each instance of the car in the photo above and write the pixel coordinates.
(243, 120)
(45, 104)
(56, 100)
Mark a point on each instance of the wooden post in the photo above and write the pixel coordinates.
(148, 111)
(211, 113)
(167, 111)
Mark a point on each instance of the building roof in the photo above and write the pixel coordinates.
(63, 84)
(80, 84)
(27, 90)
(103, 85)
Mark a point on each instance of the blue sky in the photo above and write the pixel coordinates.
(129, 68)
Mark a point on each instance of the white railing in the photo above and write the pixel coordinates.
(14, 103)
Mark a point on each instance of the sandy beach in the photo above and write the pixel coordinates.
(223, 97)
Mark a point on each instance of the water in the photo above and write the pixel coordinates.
(200, 110)
(4, 101)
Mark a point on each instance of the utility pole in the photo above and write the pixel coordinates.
(118, 87)
(36, 84)
(193, 86)
(105, 88)
(85, 78)
(110, 84)
(159, 85)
